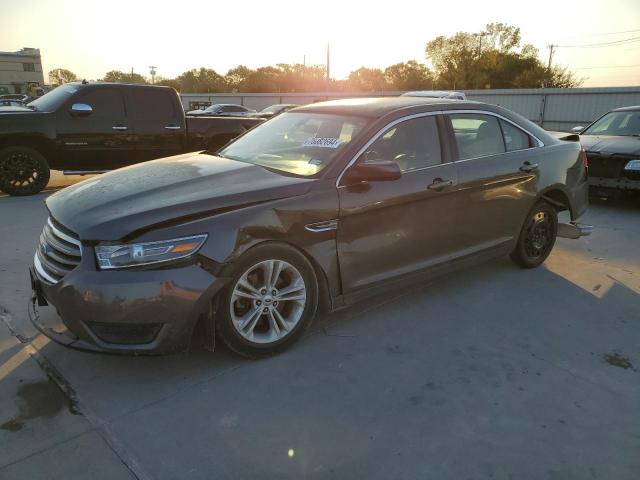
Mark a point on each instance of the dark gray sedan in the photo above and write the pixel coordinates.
(318, 208)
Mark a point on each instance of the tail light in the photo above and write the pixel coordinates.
(585, 159)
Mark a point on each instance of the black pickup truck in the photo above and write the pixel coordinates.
(92, 127)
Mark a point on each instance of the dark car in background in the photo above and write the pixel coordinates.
(612, 143)
(274, 110)
(318, 208)
(91, 127)
(223, 110)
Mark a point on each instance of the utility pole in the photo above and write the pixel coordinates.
(132, 74)
(480, 35)
(551, 50)
(328, 65)
(152, 71)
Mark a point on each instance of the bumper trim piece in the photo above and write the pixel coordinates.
(574, 230)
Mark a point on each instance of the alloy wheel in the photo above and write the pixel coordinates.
(268, 301)
(20, 170)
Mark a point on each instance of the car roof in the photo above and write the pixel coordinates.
(431, 93)
(626, 109)
(376, 107)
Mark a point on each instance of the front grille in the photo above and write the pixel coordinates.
(124, 333)
(58, 253)
(606, 166)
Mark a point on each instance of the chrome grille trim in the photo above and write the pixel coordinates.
(58, 253)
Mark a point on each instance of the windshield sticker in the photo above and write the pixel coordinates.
(322, 142)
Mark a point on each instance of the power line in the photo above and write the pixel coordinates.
(606, 66)
(600, 34)
(603, 44)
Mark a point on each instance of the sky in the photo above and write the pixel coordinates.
(91, 37)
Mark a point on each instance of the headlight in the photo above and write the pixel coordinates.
(632, 166)
(135, 254)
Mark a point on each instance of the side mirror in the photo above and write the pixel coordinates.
(577, 129)
(378, 171)
(81, 110)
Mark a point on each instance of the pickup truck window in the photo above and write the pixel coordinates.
(105, 102)
(50, 102)
(153, 104)
(297, 143)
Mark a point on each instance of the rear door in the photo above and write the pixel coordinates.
(498, 174)
(393, 228)
(158, 123)
(101, 140)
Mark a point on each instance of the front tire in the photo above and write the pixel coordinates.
(537, 237)
(23, 171)
(270, 301)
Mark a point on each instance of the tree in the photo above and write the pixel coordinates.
(367, 80)
(124, 77)
(237, 78)
(409, 75)
(203, 80)
(493, 58)
(59, 76)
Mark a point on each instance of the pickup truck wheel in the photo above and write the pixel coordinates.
(23, 171)
(270, 301)
(537, 237)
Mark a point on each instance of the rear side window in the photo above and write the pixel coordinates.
(514, 138)
(477, 135)
(153, 104)
(412, 144)
(105, 102)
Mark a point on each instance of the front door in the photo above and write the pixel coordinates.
(390, 229)
(101, 140)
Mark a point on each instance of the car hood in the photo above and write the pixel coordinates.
(115, 205)
(608, 144)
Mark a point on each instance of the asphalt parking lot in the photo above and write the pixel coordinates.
(490, 373)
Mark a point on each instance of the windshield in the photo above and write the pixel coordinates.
(297, 143)
(616, 123)
(53, 100)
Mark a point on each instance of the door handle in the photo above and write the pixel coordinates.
(439, 184)
(528, 167)
(172, 127)
(119, 127)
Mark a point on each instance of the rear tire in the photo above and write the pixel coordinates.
(23, 171)
(270, 301)
(537, 237)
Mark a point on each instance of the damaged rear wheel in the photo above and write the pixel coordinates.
(537, 237)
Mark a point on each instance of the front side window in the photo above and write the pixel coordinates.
(297, 143)
(412, 144)
(616, 123)
(105, 102)
(477, 135)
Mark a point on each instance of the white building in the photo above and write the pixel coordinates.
(20, 71)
